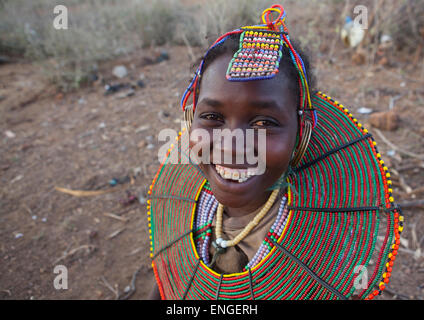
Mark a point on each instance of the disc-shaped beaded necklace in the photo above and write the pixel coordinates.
(339, 204)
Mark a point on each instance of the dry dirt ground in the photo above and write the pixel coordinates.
(82, 140)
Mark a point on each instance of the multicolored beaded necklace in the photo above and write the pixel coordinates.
(203, 225)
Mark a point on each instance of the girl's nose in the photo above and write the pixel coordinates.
(231, 146)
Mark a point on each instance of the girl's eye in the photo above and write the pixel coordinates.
(264, 123)
(211, 116)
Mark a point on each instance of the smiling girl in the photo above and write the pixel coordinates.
(304, 227)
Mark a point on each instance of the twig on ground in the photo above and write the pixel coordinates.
(416, 254)
(394, 147)
(88, 247)
(132, 287)
(411, 166)
(115, 233)
(135, 251)
(417, 190)
(412, 204)
(108, 285)
(402, 182)
(8, 292)
(114, 216)
(393, 100)
(89, 193)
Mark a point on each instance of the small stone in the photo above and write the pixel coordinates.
(364, 110)
(127, 289)
(142, 200)
(92, 234)
(18, 235)
(10, 134)
(142, 144)
(385, 38)
(162, 56)
(388, 121)
(120, 72)
(17, 178)
(125, 94)
(142, 128)
(141, 84)
(137, 171)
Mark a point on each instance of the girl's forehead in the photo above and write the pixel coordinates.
(215, 86)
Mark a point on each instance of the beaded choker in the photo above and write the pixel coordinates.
(220, 244)
(205, 214)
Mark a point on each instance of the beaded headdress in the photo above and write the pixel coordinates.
(258, 58)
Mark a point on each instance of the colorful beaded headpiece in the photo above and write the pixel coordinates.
(258, 58)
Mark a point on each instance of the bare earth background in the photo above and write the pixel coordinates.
(81, 139)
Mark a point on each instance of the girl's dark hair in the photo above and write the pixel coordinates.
(232, 44)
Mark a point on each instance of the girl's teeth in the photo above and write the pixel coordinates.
(240, 175)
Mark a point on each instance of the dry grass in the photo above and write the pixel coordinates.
(103, 29)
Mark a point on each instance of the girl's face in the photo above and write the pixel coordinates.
(260, 104)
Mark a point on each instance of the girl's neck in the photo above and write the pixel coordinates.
(249, 208)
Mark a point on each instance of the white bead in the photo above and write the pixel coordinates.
(218, 241)
(223, 244)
